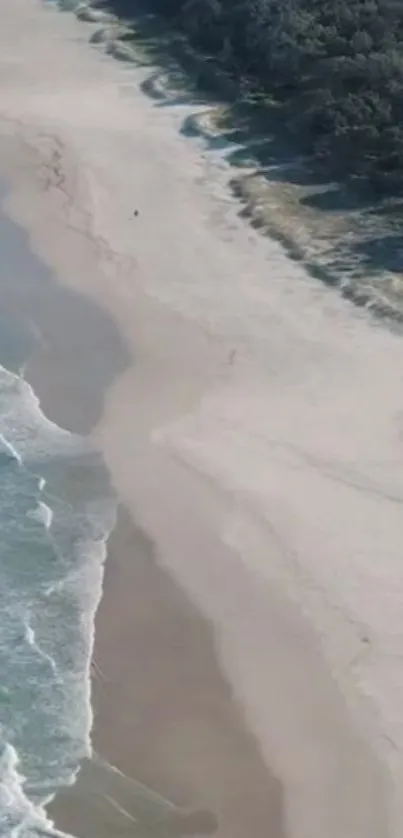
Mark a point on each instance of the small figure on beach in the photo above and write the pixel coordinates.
(135, 213)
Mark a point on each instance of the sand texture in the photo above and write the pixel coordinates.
(251, 421)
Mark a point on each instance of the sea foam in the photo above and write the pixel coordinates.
(56, 512)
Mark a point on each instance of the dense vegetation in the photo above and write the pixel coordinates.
(336, 65)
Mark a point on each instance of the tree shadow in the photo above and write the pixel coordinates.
(252, 129)
(392, 210)
(381, 252)
(147, 40)
(336, 198)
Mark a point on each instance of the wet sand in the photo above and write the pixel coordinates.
(247, 654)
(164, 712)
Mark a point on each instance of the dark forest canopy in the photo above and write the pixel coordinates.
(337, 65)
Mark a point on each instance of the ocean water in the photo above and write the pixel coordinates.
(56, 511)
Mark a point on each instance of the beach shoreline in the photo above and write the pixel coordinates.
(158, 623)
(195, 418)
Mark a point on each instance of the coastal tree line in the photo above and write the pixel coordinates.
(335, 65)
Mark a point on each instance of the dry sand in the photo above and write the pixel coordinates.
(255, 437)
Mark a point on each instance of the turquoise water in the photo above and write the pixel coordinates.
(56, 512)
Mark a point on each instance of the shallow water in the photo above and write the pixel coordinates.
(56, 512)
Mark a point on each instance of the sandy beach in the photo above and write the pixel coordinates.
(247, 677)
